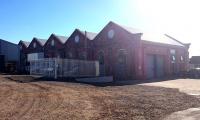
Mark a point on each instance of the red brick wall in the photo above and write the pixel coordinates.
(136, 52)
(164, 50)
(38, 48)
(84, 45)
(121, 40)
(53, 51)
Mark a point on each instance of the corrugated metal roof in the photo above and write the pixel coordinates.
(152, 37)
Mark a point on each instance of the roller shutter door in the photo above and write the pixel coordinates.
(150, 66)
(159, 66)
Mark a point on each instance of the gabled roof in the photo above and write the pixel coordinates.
(5, 41)
(62, 39)
(160, 38)
(25, 43)
(152, 37)
(128, 29)
(41, 41)
(90, 35)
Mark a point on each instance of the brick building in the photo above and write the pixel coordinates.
(80, 45)
(54, 46)
(35, 49)
(123, 52)
(128, 53)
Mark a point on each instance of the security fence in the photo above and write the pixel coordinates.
(55, 67)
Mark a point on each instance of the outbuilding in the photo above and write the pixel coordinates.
(9, 56)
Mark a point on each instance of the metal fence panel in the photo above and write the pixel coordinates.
(55, 67)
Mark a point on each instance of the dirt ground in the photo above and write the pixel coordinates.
(188, 86)
(60, 101)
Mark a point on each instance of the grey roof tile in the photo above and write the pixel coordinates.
(152, 37)
(90, 35)
(25, 43)
(160, 38)
(63, 39)
(41, 41)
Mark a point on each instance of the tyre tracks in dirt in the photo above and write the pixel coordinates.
(44, 102)
(23, 100)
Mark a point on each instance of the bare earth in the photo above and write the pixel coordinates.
(188, 86)
(61, 101)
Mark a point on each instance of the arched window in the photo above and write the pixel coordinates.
(111, 34)
(173, 55)
(76, 39)
(182, 59)
(52, 43)
(34, 45)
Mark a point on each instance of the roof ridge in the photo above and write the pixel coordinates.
(126, 28)
(41, 39)
(89, 37)
(58, 37)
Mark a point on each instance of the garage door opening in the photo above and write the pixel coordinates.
(154, 66)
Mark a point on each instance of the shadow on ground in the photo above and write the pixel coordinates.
(30, 78)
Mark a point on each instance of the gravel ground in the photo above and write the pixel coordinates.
(188, 86)
(58, 100)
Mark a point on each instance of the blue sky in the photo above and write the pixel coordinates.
(25, 19)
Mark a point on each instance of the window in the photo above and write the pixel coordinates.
(101, 58)
(172, 51)
(52, 43)
(111, 34)
(83, 55)
(76, 39)
(173, 58)
(34, 45)
(70, 55)
(182, 59)
(173, 55)
(122, 57)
